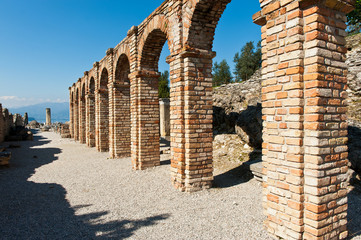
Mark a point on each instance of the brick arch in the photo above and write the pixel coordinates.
(83, 87)
(91, 85)
(151, 43)
(122, 51)
(103, 78)
(203, 22)
(122, 70)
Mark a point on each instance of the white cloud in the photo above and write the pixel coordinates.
(8, 97)
(14, 101)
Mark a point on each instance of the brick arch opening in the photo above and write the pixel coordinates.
(145, 110)
(82, 116)
(204, 22)
(152, 49)
(71, 111)
(90, 103)
(121, 113)
(103, 115)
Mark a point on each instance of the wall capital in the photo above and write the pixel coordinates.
(110, 51)
(259, 18)
(144, 73)
(133, 31)
(191, 52)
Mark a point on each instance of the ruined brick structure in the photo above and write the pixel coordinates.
(2, 125)
(115, 107)
(9, 121)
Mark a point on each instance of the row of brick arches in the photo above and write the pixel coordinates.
(115, 105)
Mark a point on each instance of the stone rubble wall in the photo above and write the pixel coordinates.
(354, 109)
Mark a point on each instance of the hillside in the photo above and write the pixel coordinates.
(59, 111)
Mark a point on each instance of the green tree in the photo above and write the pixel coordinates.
(354, 19)
(248, 61)
(163, 88)
(221, 73)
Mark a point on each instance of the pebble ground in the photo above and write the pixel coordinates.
(59, 189)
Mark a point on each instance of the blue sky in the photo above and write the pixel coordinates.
(46, 45)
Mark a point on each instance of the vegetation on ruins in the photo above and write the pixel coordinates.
(164, 85)
(247, 61)
(221, 73)
(354, 19)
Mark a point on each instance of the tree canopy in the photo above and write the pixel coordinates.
(221, 73)
(354, 19)
(163, 88)
(247, 62)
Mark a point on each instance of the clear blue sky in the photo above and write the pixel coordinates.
(46, 45)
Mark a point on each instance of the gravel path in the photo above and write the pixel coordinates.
(59, 189)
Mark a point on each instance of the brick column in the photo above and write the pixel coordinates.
(97, 115)
(144, 119)
(325, 84)
(102, 125)
(304, 151)
(191, 119)
(71, 127)
(82, 120)
(90, 123)
(76, 119)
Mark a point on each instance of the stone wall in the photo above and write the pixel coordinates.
(354, 110)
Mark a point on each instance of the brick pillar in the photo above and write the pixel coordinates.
(82, 120)
(111, 103)
(303, 91)
(191, 120)
(76, 119)
(325, 84)
(120, 119)
(102, 125)
(144, 119)
(71, 120)
(90, 119)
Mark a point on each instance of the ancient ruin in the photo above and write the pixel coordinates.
(12, 126)
(115, 107)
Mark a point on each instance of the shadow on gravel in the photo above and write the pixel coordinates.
(31, 210)
(237, 175)
(230, 178)
(354, 213)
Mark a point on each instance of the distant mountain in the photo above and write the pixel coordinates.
(59, 111)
